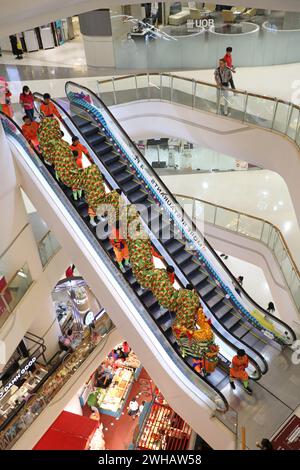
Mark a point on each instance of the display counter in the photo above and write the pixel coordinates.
(15, 395)
(112, 400)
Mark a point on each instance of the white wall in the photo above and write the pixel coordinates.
(99, 51)
(17, 246)
(35, 311)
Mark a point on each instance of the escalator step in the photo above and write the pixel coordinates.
(89, 129)
(197, 277)
(79, 121)
(109, 158)
(137, 196)
(131, 186)
(122, 178)
(117, 167)
(190, 268)
(213, 300)
(170, 336)
(252, 340)
(230, 321)
(165, 324)
(221, 312)
(239, 330)
(173, 246)
(157, 311)
(182, 257)
(148, 299)
(207, 289)
(102, 148)
(96, 139)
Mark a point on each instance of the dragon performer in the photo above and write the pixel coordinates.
(191, 329)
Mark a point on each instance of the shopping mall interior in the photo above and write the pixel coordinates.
(150, 241)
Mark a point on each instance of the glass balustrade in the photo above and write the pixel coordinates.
(14, 292)
(257, 110)
(48, 247)
(251, 227)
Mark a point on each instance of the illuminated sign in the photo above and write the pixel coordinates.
(17, 377)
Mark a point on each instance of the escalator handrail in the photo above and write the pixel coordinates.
(193, 225)
(215, 330)
(197, 376)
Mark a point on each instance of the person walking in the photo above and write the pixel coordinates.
(271, 307)
(120, 246)
(70, 271)
(76, 145)
(171, 273)
(133, 408)
(240, 280)
(238, 368)
(265, 444)
(141, 407)
(228, 59)
(27, 101)
(16, 46)
(223, 76)
(48, 109)
(5, 98)
(29, 130)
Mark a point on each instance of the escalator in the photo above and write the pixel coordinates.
(246, 323)
(120, 175)
(145, 301)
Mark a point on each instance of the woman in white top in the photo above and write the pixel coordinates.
(133, 408)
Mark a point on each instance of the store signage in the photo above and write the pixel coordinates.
(88, 318)
(17, 376)
(176, 212)
(204, 23)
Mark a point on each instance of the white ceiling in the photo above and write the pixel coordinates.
(19, 15)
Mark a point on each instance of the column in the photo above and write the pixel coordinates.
(95, 27)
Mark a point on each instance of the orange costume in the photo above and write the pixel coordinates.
(80, 149)
(50, 110)
(119, 245)
(30, 132)
(5, 101)
(237, 371)
(154, 253)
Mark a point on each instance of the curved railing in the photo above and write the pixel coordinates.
(251, 227)
(251, 311)
(250, 108)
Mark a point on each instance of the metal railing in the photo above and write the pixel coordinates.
(250, 108)
(251, 227)
(48, 246)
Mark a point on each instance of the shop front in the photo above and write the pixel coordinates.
(119, 386)
(21, 376)
(77, 309)
(109, 388)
